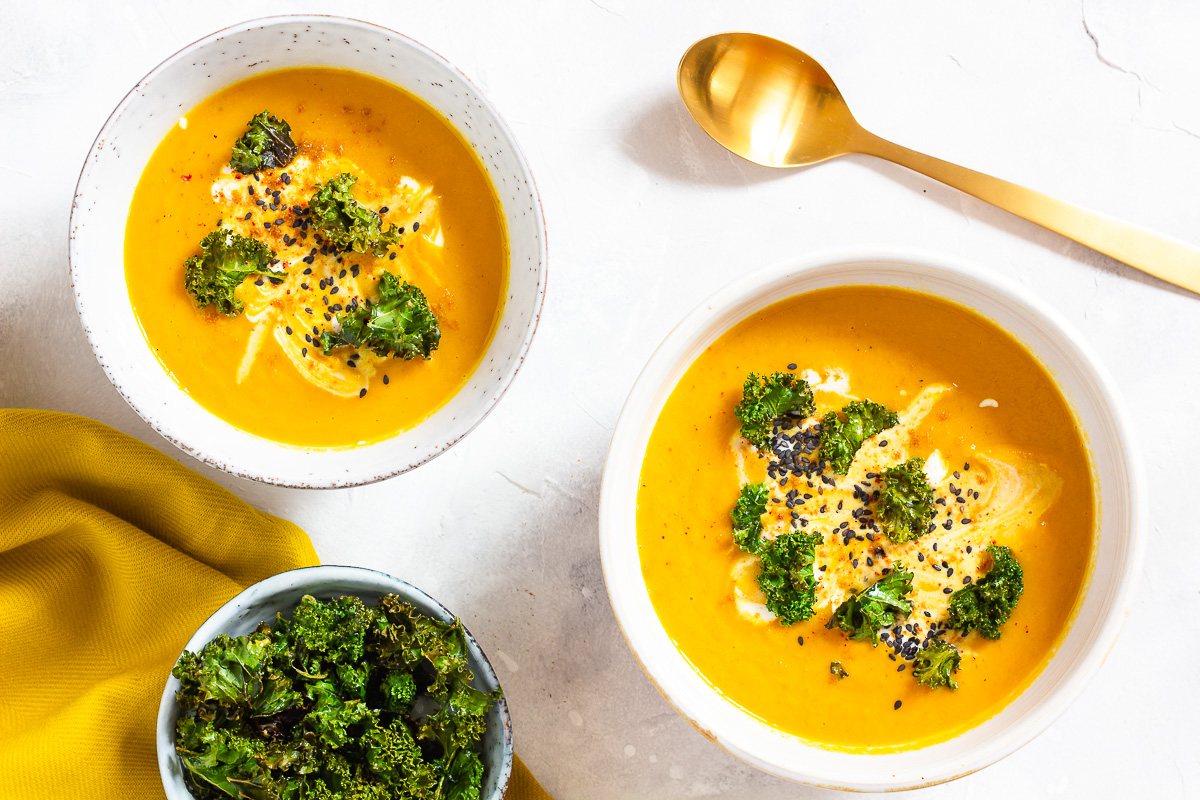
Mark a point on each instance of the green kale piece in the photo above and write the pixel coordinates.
(229, 258)
(267, 144)
(330, 719)
(936, 664)
(221, 761)
(234, 673)
(864, 613)
(399, 689)
(787, 578)
(766, 398)
(905, 508)
(394, 758)
(836, 669)
(405, 640)
(399, 323)
(352, 678)
(346, 223)
(333, 631)
(988, 603)
(840, 439)
(747, 516)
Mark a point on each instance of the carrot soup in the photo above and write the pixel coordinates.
(866, 516)
(317, 257)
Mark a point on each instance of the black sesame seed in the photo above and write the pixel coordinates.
(249, 214)
(897, 706)
(288, 328)
(416, 227)
(392, 256)
(362, 393)
(901, 668)
(303, 351)
(969, 548)
(383, 210)
(947, 590)
(791, 366)
(800, 640)
(285, 178)
(385, 380)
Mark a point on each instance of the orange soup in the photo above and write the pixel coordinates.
(311, 349)
(838, 583)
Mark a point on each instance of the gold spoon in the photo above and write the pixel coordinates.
(772, 104)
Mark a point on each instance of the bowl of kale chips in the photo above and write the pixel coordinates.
(333, 682)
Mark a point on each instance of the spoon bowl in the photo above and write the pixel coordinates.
(773, 104)
(766, 101)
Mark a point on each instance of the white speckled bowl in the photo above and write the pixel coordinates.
(136, 128)
(1119, 543)
(281, 593)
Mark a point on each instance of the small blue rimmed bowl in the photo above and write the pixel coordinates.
(281, 594)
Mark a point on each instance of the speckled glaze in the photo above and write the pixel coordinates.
(115, 164)
(280, 594)
(1119, 544)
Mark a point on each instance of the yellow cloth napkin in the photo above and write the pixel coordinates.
(111, 555)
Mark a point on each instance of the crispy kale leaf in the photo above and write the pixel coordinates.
(840, 439)
(340, 701)
(837, 670)
(346, 223)
(399, 690)
(267, 144)
(766, 398)
(936, 664)
(229, 258)
(234, 672)
(399, 323)
(747, 516)
(787, 578)
(862, 614)
(988, 603)
(905, 509)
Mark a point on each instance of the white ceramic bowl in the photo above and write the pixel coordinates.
(281, 593)
(1118, 546)
(136, 128)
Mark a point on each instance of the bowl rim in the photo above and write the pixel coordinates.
(198, 449)
(207, 630)
(627, 449)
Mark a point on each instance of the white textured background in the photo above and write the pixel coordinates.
(1095, 102)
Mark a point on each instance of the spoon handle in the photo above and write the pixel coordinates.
(1161, 256)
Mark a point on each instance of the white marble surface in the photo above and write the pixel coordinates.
(1094, 102)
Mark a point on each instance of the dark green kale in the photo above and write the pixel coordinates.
(229, 258)
(766, 398)
(346, 223)
(840, 439)
(267, 144)
(787, 578)
(836, 669)
(988, 603)
(747, 516)
(905, 509)
(878, 606)
(399, 323)
(341, 701)
(936, 664)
